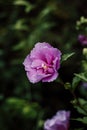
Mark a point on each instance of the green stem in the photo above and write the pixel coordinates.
(77, 101)
(74, 96)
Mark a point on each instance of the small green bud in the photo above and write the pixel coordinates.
(67, 85)
(74, 102)
(78, 23)
(85, 51)
(82, 19)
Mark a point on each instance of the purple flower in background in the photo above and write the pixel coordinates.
(84, 85)
(59, 122)
(82, 39)
(42, 63)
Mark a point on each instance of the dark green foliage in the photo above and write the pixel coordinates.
(25, 106)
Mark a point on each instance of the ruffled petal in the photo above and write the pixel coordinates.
(50, 78)
(27, 63)
(36, 76)
(37, 63)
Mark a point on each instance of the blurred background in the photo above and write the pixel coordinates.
(23, 23)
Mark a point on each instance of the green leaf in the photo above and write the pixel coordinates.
(80, 110)
(83, 120)
(21, 107)
(82, 76)
(19, 46)
(75, 82)
(28, 6)
(20, 25)
(82, 101)
(82, 106)
(67, 56)
(20, 2)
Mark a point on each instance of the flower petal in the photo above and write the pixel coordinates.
(36, 76)
(37, 63)
(42, 45)
(50, 78)
(27, 63)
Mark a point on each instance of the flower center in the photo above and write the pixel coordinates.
(45, 67)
